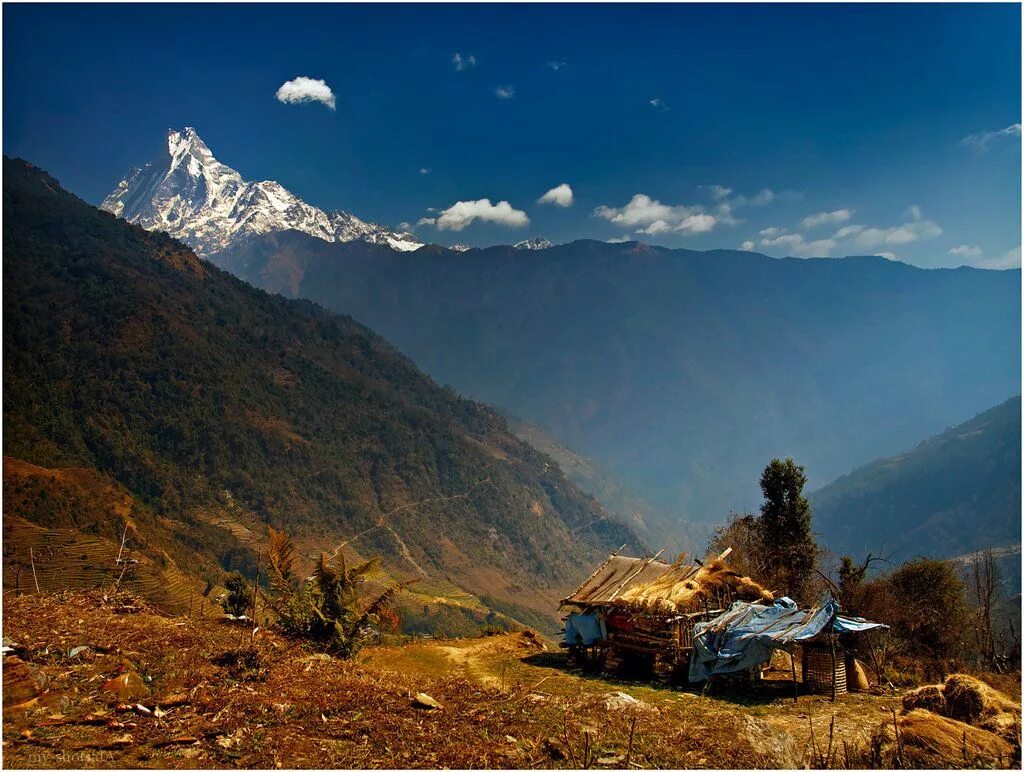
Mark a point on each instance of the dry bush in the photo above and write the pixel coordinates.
(1006, 725)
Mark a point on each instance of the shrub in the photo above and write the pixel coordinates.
(325, 610)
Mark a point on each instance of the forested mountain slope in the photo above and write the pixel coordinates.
(680, 372)
(953, 494)
(221, 409)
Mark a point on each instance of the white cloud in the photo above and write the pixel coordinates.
(826, 218)
(888, 255)
(656, 217)
(658, 104)
(426, 221)
(618, 240)
(505, 92)
(718, 192)
(462, 213)
(965, 250)
(797, 245)
(560, 195)
(770, 232)
(1010, 259)
(748, 246)
(556, 66)
(303, 89)
(405, 226)
(913, 212)
(848, 230)
(460, 62)
(763, 198)
(983, 140)
(917, 230)
(424, 170)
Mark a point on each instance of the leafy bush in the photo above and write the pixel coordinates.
(239, 596)
(325, 610)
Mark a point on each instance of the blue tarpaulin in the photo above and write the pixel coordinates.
(584, 629)
(745, 635)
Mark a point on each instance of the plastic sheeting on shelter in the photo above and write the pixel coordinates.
(745, 635)
(585, 629)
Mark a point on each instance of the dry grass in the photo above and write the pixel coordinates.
(226, 701)
(970, 699)
(928, 697)
(929, 741)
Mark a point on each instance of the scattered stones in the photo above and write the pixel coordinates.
(128, 686)
(425, 702)
(556, 749)
(623, 701)
(21, 681)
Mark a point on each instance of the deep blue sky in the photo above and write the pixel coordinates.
(860, 108)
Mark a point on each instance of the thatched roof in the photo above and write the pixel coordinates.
(647, 584)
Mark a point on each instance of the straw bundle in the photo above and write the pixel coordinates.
(928, 697)
(968, 699)
(684, 588)
(933, 741)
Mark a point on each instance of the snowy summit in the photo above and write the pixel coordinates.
(192, 196)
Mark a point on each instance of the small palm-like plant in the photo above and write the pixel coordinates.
(325, 610)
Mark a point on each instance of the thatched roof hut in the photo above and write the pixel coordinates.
(654, 586)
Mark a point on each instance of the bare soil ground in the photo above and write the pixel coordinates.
(205, 701)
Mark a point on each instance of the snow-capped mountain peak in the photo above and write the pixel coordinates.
(534, 243)
(191, 195)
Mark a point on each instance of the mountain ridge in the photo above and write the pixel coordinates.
(190, 195)
(222, 409)
(951, 494)
(681, 372)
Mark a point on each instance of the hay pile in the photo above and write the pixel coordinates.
(930, 741)
(685, 588)
(968, 699)
(961, 716)
(928, 697)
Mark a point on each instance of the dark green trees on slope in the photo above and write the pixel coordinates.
(124, 352)
(951, 495)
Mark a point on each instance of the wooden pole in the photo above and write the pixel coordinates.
(832, 641)
(32, 560)
(792, 667)
(256, 592)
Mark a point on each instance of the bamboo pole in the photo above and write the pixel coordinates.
(792, 667)
(32, 560)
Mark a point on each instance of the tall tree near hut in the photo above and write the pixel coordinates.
(786, 534)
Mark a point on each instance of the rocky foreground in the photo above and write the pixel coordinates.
(93, 682)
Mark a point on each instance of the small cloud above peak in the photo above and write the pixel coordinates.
(965, 250)
(658, 104)
(303, 90)
(505, 92)
(460, 62)
(560, 195)
(463, 213)
(424, 170)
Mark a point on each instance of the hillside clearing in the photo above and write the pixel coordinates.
(207, 702)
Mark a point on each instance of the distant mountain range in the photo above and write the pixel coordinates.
(189, 194)
(682, 373)
(953, 494)
(146, 387)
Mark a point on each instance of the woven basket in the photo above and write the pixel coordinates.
(817, 667)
